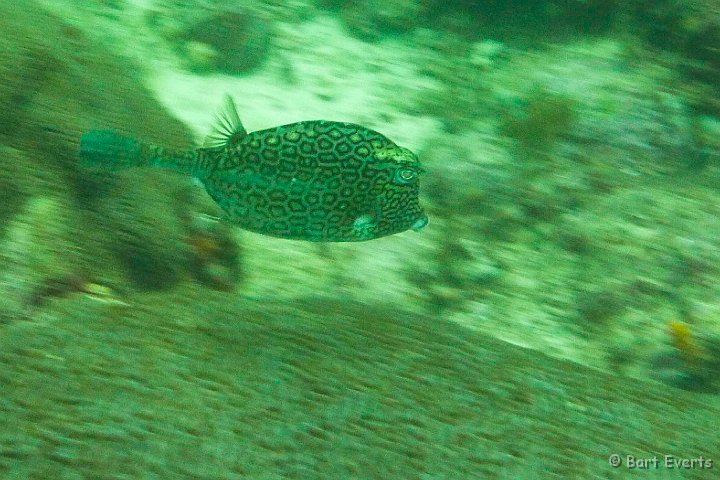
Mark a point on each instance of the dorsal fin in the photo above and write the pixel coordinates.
(228, 128)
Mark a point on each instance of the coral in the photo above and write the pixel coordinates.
(520, 20)
(240, 39)
(373, 19)
(545, 117)
(506, 19)
(690, 28)
(706, 143)
(462, 273)
(228, 39)
(683, 339)
(214, 253)
(597, 306)
(693, 363)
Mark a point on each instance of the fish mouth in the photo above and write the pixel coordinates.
(420, 223)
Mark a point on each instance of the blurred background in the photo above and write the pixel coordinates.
(561, 306)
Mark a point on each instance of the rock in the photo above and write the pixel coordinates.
(373, 19)
(59, 85)
(148, 240)
(37, 246)
(229, 40)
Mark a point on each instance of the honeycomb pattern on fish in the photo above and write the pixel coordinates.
(316, 180)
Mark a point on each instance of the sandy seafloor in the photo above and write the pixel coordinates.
(530, 331)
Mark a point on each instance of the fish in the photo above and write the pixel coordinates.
(314, 180)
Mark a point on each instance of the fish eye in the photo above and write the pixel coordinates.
(405, 175)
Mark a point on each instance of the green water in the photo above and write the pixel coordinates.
(560, 307)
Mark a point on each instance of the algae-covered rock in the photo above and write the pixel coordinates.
(507, 19)
(214, 255)
(544, 117)
(22, 72)
(372, 19)
(224, 38)
(12, 192)
(59, 85)
(690, 28)
(239, 39)
(38, 245)
(147, 239)
(262, 391)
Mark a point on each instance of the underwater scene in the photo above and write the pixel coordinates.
(359, 239)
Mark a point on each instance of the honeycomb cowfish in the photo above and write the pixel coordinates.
(315, 180)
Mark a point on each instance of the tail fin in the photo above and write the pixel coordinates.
(109, 150)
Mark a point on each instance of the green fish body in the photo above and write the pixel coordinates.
(313, 180)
